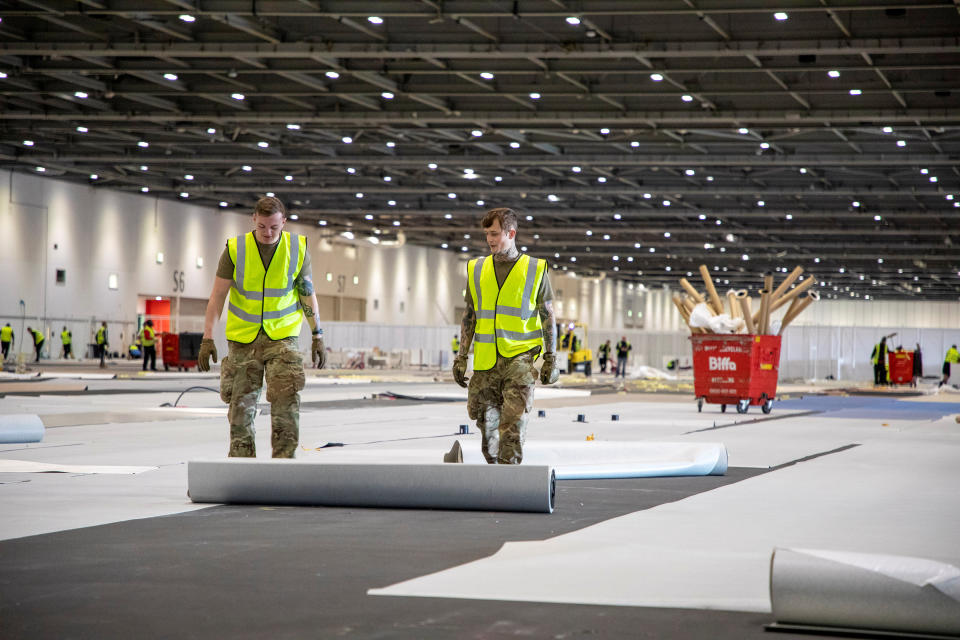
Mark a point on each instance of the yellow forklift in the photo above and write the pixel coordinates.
(573, 354)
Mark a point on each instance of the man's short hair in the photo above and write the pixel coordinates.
(506, 217)
(268, 205)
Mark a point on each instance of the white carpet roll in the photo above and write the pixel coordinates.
(415, 486)
(20, 427)
(864, 591)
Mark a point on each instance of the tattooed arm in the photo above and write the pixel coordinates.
(308, 300)
(468, 325)
(549, 322)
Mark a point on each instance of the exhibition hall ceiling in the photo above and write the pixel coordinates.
(636, 139)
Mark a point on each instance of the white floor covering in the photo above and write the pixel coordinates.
(895, 493)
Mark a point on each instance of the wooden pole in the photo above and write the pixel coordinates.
(715, 301)
(797, 271)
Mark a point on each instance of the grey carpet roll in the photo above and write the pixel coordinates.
(20, 427)
(864, 591)
(415, 486)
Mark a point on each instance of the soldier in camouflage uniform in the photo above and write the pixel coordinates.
(268, 277)
(509, 319)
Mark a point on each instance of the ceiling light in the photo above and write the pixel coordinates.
(573, 258)
(143, 144)
(498, 178)
(375, 20)
(387, 95)
(780, 15)
(444, 245)
(237, 96)
(636, 245)
(288, 178)
(514, 145)
(855, 203)
(789, 216)
(573, 20)
(833, 73)
(188, 176)
(761, 203)
(666, 203)
(949, 196)
(82, 129)
(144, 167)
(601, 179)
(589, 232)
(480, 203)
(263, 144)
(186, 17)
(702, 216)
(606, 236)
(223, 203)
(617, 216)
(41, 169)
(452, 196)
(653, 250)
(212, 131)
(346, 140)
(2, 75)
(743, 131)
(270, 194)
(744, 257)
(322, 223)
(184, 194)
(387, 178)
(396, 223)
(476, 133)
(634, 144)
(144, 189)
(552, 198)
(933, 178)
(709, 178)
(333, 75)
(887, 129)
(359, 194)
(170, 76)
(901, 143)
(486, 75)
(94, 176)
(391, 203)
(351, 170)
(391, 144)
(604, 131)
(80, 94)
(686, 98)
(764, 145)
(647, 195)
(576, 169)
(855, 92)
(534, 96)
(690, 172)
(432, 165)
(656, 77)
(877, 218)
(666, 234)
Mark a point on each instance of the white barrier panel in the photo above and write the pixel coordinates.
(413, 486)
(865, 592)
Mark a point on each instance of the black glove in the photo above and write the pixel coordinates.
(460, 371)
(207, 349)
(548, 371)
(318, 353)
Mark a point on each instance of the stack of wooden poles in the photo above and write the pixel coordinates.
(741, 305)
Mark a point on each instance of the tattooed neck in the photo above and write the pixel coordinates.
(507, 255)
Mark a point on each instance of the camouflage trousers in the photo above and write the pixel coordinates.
(241, 379)
(500, 400)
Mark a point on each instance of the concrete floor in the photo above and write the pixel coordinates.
(105, 555)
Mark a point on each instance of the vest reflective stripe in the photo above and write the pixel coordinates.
(65, 337)
(507, 320)
(6, 334)
(264, 296)
(147, 336)
(101, 335)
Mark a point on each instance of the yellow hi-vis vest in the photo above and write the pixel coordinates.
(6, 334)
(147, 336)
(65, 337)
(101, 335)
(507, 318)
(38, 337)
(264, 296)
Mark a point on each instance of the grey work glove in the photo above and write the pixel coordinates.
(317, 352)
(207, 349)
(548, 371)
(460, 371)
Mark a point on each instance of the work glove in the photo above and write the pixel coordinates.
(548, 371)
(317, 353)
(207, 349)
(460, 371)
